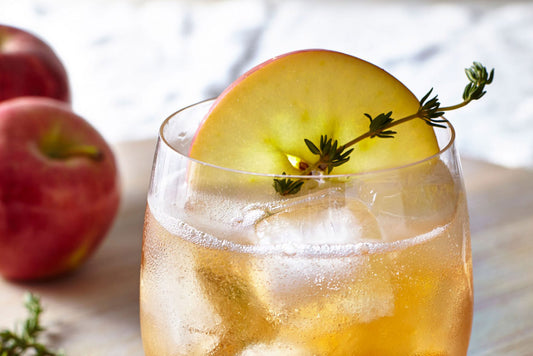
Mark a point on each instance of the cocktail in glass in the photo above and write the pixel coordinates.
(375, 263)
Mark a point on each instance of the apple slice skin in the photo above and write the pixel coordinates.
(53, 212)
(268, 112)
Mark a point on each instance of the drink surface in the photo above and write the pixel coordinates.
(406, 290)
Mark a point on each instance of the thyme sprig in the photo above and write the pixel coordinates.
(332, 155)
(18, 343)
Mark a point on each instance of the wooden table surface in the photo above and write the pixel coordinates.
(95, 310)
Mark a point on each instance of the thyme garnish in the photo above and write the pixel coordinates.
(285, 186)
(331, 154)
(14, 343)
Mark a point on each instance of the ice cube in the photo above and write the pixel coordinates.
(324, 293)
(371, 296)
(224, 217)
(326, 217)
(313, 294)
(411, 199)
(323, 248)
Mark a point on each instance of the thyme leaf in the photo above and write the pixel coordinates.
(287, 186)
(379, 124)
(429, 111)
(479, 77)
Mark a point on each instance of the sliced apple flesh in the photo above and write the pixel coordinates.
(259, 123)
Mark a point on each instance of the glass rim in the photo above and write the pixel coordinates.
(445, 148)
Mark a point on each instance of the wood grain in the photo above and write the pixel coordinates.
(95, 310)
(501, 218)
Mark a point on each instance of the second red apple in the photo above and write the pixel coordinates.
(59, 188)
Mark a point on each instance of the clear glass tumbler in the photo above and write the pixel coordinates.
(377, 263)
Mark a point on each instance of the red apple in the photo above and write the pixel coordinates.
(59, 188)
(29, 67)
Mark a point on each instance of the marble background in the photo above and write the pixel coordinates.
(133, 62)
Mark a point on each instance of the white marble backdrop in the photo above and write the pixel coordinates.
(133, 62)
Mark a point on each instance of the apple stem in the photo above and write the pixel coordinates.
(89, 151)
(2, 39)
(56, 145)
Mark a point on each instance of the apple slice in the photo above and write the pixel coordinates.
(259, 123)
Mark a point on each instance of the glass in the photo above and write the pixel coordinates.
(365, 264)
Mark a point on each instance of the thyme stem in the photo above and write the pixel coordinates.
(455, 107)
